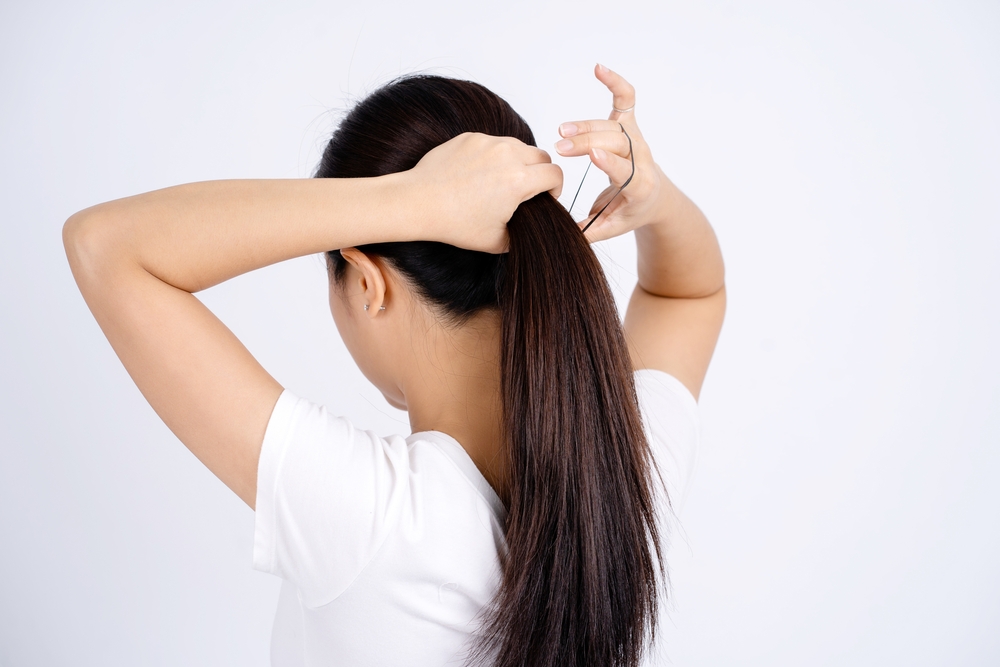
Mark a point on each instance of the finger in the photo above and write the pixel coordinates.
(622, 90)
(617, 168)
(518, 150)
(534, 155)
(606, 209)
(602, 228)
(613, 141)
(575, 127)
(544, 177)
(595, 233)
(526, 153)
(556, 192)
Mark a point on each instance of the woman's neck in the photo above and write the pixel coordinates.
(454, 387)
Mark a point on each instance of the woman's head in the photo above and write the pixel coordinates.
(389, 132)
(579, 580)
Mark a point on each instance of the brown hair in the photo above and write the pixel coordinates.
(584, 561)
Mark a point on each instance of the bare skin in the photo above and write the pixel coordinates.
(446, 378)
(138, 262)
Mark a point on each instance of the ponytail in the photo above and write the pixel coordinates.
(579, 579)
(583, 565)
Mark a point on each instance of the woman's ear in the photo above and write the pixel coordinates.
(371, 282)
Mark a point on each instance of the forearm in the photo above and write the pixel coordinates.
(197, 235)
(678, 253)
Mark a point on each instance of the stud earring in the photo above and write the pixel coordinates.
(366, 306)
(381, 307)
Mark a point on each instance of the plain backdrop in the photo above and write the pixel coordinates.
(845, 509)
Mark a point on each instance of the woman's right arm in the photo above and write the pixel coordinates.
(675, 314)
(139, 260)
(676, 311)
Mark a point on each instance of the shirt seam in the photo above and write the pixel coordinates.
(475, 487)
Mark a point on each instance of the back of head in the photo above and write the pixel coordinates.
(579, 583)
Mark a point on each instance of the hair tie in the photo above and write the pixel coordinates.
(627, 181)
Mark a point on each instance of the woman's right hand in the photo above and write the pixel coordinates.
(470, 186)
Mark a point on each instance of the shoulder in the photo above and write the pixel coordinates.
(327, 495)
(331, 497)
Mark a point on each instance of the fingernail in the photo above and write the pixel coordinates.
(567, 130)
(564, 145)
(602, 67)
(598, 154)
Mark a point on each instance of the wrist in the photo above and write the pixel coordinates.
(667, 200)
(397, 209)
(416, 215)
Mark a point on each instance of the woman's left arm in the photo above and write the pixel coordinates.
(139, 260)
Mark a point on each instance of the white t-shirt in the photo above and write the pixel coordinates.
(387, 547)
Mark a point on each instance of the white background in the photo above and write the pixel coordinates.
(846, 508)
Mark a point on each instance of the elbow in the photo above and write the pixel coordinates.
(72, 235)
(87, 239)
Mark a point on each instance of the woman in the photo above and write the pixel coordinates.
(523, 522)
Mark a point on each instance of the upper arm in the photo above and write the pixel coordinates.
(674, 335)
(197, 376)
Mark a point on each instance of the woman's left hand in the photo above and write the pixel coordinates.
(608, 147)
(472, 184)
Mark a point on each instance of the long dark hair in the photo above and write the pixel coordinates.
(580, 578)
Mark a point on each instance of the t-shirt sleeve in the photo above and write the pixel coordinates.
(670, 414)
(327, 495)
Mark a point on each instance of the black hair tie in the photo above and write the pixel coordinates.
(627, 181)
